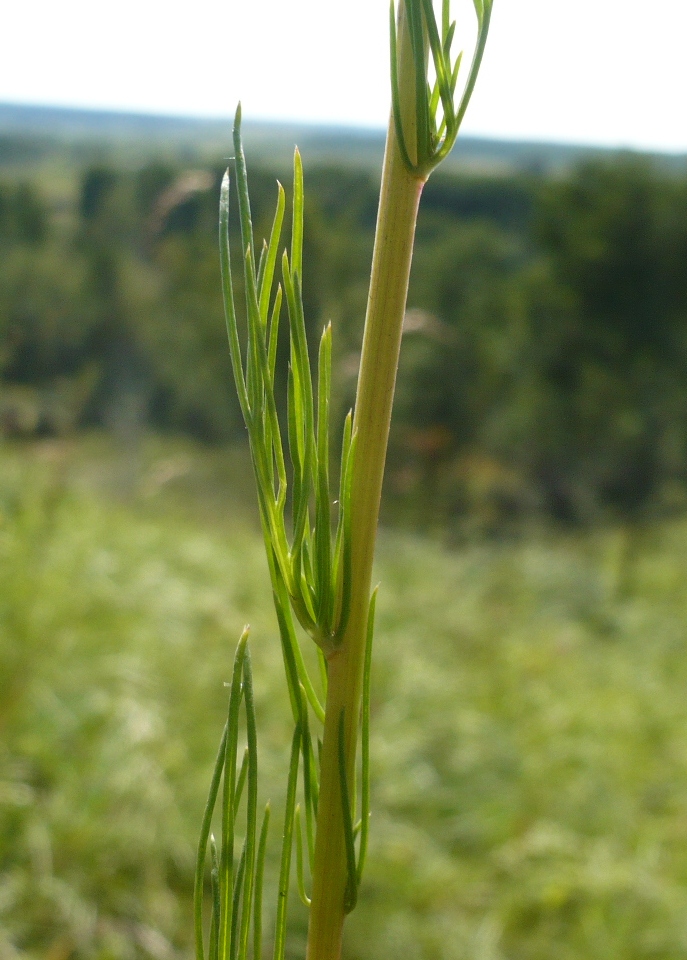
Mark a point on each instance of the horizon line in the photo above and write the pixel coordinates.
(361, 129)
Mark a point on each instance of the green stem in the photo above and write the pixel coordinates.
(398, 206)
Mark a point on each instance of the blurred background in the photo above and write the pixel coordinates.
(529, 740)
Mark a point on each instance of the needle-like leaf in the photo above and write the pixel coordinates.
(323, 540)
(305, 899)
(285, 870)
(226, 880)
(297, 225)
(259, 878)
(251, 805)
(265, 284)
(202, 847)
(352, 884)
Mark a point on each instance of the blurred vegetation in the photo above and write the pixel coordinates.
(543, 371)
(529, 764)
(529, 728)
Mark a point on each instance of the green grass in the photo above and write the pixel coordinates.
(529, 727)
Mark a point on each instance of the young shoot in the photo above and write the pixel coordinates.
(320, 559)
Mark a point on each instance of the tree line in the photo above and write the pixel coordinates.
(544, 360)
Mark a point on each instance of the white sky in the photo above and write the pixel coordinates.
(592, 71)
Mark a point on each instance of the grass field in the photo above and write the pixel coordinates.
(529, 738)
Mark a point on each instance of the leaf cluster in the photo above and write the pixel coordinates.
(306, 565)
(437, 115)
(309, 571)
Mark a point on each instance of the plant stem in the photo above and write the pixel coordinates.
(398, 206)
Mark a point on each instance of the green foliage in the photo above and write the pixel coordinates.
(527, 740)
(310, 568)
(22, 215)
(437, 115)
(309, 572)
(605, 350)
(555, 310)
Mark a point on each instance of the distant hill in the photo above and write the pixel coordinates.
(32, 134)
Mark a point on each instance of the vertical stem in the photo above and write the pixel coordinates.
(398, 206)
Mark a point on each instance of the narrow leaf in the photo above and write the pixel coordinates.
(213, 949)
(259, 878)
(287, 842)
(308, 772)
(396, 95)
(352, 885)
(323, 533)
(297, 221)
(228, 295)
(305, 899)
(238, 887)
(265, 286)
(202, 846)
(227, 854)
(242, 188)
(344, 573)
(440, 65)
(251, 805)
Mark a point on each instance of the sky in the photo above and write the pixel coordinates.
(607, 72)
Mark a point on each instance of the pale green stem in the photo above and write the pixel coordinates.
(398, 206)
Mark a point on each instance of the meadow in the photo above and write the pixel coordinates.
(529, 719)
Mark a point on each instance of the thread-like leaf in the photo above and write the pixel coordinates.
(483, 9)
(266, 442)
(456, 70)
(251, 804)
(227, 854)
(213, 947)
(345, 543)
(435, 96)
(272, 521)
(236, 903)
(265, 285)
(341, 555)
(240, 781)
(297, 219)
(324, 677)
(228, 295)
(448, 39)
(259, 878)
(303, 399)
(274, 333)
(443, 72)
(202, 846)
(242, 188)
(308, 774)
(254, 380)
(352, 884)
(288, 643)
(287, 842)
(305, 899)
(323, 534)
(396, 94)
(261, 264)
(417, 40)
(296, 671)
(292, 413)
(435, 138)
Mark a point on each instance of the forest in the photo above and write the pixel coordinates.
(543, 370)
